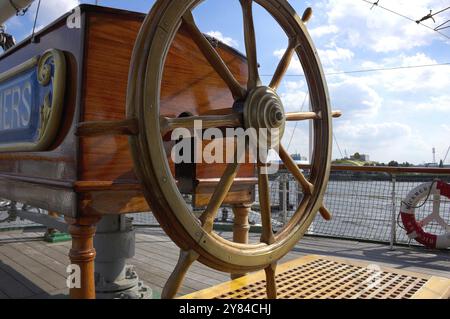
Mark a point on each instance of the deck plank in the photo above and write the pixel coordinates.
(192, 280)
(43, 272)
(148, 258)
(33, 268)
(25, 276)
(196, 270)
(49, 250)
(12, 288)
(51, 263)
(156, 279)
(3, 295)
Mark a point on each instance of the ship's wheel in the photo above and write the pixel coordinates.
(262, 107)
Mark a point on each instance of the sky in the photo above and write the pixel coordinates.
(390, 115)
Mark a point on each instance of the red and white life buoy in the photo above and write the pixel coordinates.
(414, 228)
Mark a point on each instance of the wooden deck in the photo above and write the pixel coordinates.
(32, 268)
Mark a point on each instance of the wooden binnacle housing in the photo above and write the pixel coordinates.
(93, 175)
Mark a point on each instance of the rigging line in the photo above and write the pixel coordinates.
(339, 148)
(442, 26)
(35, 20)
(440, 11)
(296, 123)
(374, 70)
(445, 158)
(408, 18)
(441, 33)
(391, 11)
(431, 16)
(375, 4)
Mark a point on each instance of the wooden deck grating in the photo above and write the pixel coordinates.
(32, 268)
(321, 277)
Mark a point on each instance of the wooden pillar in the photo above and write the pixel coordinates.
(241, 227)
(82, 256)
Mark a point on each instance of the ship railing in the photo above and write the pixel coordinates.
(364, 200)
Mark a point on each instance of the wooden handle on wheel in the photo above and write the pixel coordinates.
(326, 214)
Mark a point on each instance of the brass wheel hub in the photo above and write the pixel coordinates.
(263, 109)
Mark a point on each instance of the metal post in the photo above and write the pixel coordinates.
(224, 215)
(394, 214)
(299, 190)
(284, 180)
(114, 243)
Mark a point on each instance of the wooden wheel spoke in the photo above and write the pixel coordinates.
(271, 284)
(284, 64)
(325, 213)
(175, 280)
(264, 202)
(293, 168)
(250, 45)
(303, 116)
(213, 57)
(146, 103)
(217, 198)
(208, 121)
(307, 14)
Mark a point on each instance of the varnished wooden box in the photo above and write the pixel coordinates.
(79, 176)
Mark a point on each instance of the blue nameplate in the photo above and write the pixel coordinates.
(31, 103)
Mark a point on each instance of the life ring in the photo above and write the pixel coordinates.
(414, 229)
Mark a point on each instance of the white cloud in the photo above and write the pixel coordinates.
(355, 98)
(323, 30)
(435, 103)
(331, 56)
(378, 29)
(328, 57)
(298, 137)
(446, 127)
(383, 141)
(293, 99)
(422, 79)
(295, 85)
(390, 115)
(227, 40)
(404, 109)
(377, 134)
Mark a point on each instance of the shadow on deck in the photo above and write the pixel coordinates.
(32, 268)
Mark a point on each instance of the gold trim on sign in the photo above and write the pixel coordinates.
(19, 69)
(52, 105)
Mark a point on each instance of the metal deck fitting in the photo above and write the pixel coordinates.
(314, 277)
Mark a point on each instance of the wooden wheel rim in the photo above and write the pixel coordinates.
(152, 168)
